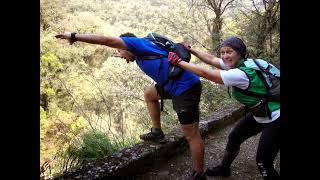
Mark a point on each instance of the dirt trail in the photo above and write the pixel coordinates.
(243, 168)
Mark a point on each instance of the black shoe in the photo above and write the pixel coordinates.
(197, 176)
(156, 135)
(218, 171)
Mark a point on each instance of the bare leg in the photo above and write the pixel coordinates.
(152, 99)
(192, 134)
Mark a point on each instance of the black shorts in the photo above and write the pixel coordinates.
(186, 105)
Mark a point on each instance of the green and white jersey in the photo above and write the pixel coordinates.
(246, 78)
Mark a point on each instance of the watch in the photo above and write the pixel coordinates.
(73, 37)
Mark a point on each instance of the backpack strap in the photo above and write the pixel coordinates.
(254, 94)
(228, 90)
(160, 67)
(153, 58)
(162, 93)
(250, 93)
(260, 67)
(267, 70)
(260, 75)
(166, 48)
(264, 97)
(264, 101)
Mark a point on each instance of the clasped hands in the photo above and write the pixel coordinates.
(173, 58)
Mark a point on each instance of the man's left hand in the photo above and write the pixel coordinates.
(186, 45)
(65, 35)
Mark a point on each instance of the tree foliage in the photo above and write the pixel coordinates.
(91, 102)
(212, 12)
(261, 29)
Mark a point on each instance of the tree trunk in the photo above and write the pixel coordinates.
(261, 39)
(271, 45)
(44, 101)
(216, 35)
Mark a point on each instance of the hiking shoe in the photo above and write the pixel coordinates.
(218, 171)
(197, 176)
(156, 135)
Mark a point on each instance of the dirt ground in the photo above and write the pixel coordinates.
(243, 168)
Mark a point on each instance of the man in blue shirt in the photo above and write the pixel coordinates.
(185, 91)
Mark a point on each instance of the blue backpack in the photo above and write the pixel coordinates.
(269, 75)
(169, 46)
(166, 44)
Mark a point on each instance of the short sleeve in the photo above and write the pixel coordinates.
(141, 46)
(235, 77)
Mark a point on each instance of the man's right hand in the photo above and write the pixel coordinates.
(186, 45)
(65, 35)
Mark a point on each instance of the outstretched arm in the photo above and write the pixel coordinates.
(113, 42)
(212, 75)
(206, 58)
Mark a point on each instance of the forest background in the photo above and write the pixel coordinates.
(91, 101)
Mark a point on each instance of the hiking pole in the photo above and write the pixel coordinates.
(198, 41)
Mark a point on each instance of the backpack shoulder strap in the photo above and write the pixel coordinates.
(152, 38)
(153, 57)
(161, 41)
(261, 77)
(254, 94)
(266, 71)
(250, 93)
(261, 68)
(162, 93)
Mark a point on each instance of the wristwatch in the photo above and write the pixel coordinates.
(73, 37)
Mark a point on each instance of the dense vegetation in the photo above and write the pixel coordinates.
(91, 102)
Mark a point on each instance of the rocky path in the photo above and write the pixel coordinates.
(243, 168)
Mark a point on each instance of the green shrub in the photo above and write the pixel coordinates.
(95, 145)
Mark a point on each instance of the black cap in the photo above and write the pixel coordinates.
(236, 44)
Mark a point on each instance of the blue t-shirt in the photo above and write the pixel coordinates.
(143, 47)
